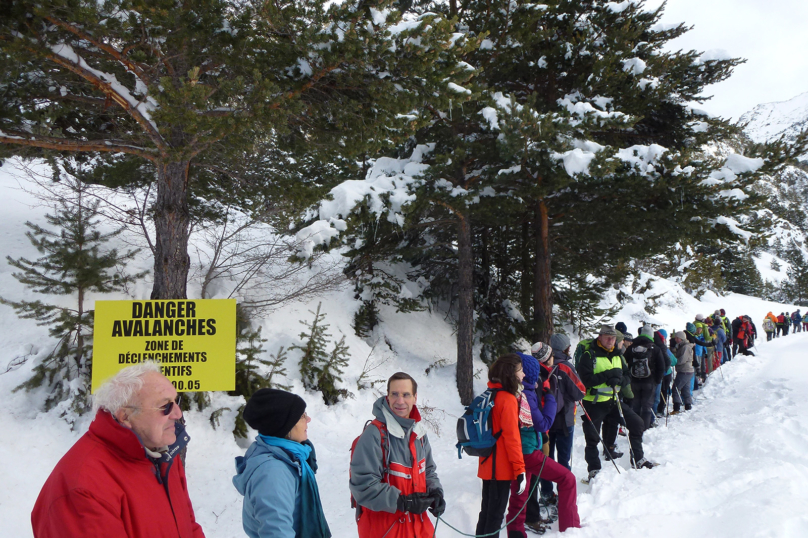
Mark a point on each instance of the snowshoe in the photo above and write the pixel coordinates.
(612, 453)
(552, 498)
(549, 512)
(535, 526)
(644, 463)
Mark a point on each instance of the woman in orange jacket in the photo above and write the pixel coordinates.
(506, 463)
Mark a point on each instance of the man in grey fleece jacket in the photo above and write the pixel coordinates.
(683, 349)
(393, 476)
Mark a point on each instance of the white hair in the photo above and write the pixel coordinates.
(118, 391)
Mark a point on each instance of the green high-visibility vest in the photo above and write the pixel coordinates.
(603, 392)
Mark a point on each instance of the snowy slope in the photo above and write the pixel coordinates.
(732, 467)
(769, 121)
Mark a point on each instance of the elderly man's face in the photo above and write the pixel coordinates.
(146, 419)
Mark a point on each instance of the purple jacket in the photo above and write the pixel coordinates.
(542, 416)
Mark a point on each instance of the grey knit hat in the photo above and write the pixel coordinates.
(559, 342)
(647, 330)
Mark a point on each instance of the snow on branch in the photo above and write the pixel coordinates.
(733, 226)
(726, 175)
(385, 189)
(64, 55)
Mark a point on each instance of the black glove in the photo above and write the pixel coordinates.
(438, 506)
(614, 381)
(521, 484)
(414, 503)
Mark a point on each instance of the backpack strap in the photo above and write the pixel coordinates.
(496, 436)
(385, 443)
(382, 427)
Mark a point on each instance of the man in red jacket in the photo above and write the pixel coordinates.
(122, 478)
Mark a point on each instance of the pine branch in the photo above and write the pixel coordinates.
(83, 70)
(65, 144)
(109, 49)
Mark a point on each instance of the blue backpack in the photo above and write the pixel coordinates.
(474, 432)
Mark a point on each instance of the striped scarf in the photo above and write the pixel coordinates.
(525, 417)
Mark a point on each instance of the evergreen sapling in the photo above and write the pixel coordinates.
(74, 263)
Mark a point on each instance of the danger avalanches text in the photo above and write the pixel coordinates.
(178, 319)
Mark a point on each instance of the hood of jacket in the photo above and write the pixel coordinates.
(397, 426)
(259, 453)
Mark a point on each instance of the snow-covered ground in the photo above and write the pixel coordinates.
(733, 466)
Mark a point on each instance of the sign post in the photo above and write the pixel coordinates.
(194, 341)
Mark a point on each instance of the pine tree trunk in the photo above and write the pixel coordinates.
(527, 273)
(465, 315)
(543, 284)
(79, 331)
(172, 227)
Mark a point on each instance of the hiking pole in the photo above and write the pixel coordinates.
(668, 399)
(620, 410)
(599, 437)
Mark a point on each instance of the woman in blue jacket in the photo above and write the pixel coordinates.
(276, 475)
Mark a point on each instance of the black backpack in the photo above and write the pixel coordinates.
(641, 353)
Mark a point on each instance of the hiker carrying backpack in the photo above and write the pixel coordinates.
(393, 478)
(646, 366)
(506, 462)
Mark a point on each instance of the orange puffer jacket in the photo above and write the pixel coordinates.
(506, 462)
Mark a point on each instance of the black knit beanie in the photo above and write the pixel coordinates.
(274, 412)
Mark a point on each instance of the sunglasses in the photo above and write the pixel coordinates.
(164, 409)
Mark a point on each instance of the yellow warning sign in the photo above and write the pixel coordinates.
(194, 341)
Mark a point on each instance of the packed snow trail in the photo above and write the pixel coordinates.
(734, 466)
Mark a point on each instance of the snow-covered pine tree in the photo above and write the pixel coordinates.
(315, 340)
(795, 287)
(75, 262)
(319, 369)
(186, 96)
(332, 372)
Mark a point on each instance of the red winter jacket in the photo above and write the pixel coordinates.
(106, 487)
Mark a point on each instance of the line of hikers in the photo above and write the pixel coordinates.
(521, 428)
(779, 325)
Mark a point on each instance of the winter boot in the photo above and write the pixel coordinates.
(535, 526)
(612, 453)
(644, 463)
(621, 431)
(688, 407)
